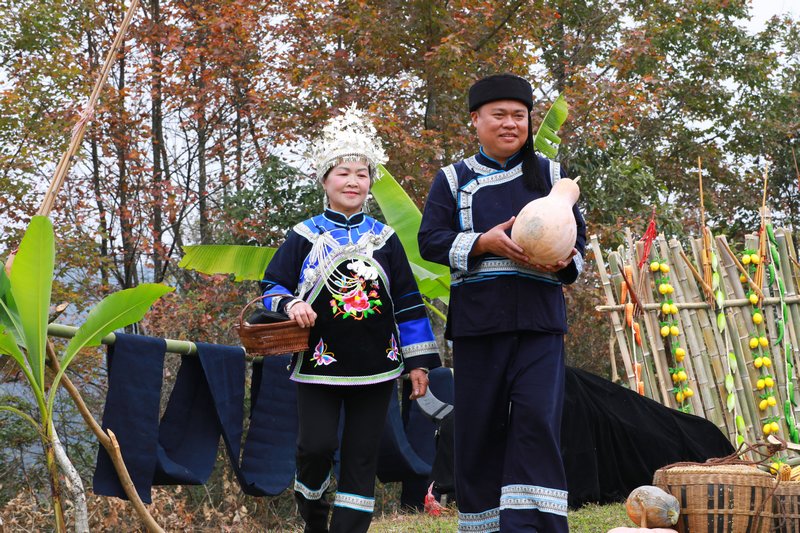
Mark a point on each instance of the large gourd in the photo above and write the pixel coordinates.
(545, 228)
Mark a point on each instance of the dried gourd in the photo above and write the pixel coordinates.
(545, 228)
(650, 506)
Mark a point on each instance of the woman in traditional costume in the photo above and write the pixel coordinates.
(345, 276)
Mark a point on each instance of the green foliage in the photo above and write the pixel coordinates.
(278, 198)
(404, 217)
(547, 140)
(243, 262)
(25, 302)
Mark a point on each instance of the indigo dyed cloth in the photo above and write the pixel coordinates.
(135, 367)
(206, 403)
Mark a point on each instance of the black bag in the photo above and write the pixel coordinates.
(264, 316)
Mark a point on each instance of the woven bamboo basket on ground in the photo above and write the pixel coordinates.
(274, 338)
(720, 498)
(786, 507)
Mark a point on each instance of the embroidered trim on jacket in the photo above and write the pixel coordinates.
(579, 262)
(502, 266)
(459, 251)
(465, 193)
(452, 178)
(345, 380)
(473, 165)
(420, 348)
(354, 501)
(555, 172)
(485, 522)
(544, 499)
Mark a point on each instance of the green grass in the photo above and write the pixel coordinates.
(588, 519)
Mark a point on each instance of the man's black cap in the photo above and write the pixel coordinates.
(500, 87)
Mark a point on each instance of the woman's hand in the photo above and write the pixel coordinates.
(419, 383)
(303, 314)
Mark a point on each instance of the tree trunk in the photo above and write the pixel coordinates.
(52, 471)
(156, 138)
(202, 179)
(74, 484)
(98, 196)
(125, 210)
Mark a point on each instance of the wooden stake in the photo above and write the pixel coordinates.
(762, 234)
(706, 251)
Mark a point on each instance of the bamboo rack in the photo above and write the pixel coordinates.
(719, 362)
(173, 346)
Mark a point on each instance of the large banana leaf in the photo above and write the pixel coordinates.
(31, 283)
(244, 262)
(8, 346)
(547, 139)
(9, 318)
(402, 214)
(115, 311)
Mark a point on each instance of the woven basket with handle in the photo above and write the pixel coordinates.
(720, 498)
(786, 507)
(280, 336)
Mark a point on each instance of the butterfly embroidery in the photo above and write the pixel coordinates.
(321, 356)
(393, 350)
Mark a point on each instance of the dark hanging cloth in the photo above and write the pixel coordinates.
(269, 448)
(612, 440)
(206, 402)
(135, 366)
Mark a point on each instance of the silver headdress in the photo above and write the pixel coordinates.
(347, 137)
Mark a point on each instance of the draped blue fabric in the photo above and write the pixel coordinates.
(135, 367)
(207, 402)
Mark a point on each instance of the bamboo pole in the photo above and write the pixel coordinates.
(659, 377)
(702, 402)
(80, 127)
(793, 319)
(733, 319)
(725, 347)
(615, 318)
(705, 329)
(737, 302)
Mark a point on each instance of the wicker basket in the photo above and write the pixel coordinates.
(720, 498)
(275, 338)
(786, 507)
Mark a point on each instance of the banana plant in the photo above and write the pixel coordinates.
(25, 295)
(400, 213)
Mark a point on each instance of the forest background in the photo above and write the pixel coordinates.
(200, 133)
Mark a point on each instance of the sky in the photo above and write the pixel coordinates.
(762, 10)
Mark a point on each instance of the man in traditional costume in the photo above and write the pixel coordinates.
(345, 276)
(507, 319)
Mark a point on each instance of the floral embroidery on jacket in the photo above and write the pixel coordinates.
(362, 300)
(393, 351)
(321, 356)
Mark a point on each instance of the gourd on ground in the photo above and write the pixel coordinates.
(545, 228)
(650, 506)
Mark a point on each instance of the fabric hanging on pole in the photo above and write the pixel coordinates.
(190, 428)
(268, 458)
(206, 402)
(135, 366)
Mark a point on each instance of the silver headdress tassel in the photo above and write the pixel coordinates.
(347, 137)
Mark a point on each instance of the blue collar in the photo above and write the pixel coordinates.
(487, 161)
(340, 219)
